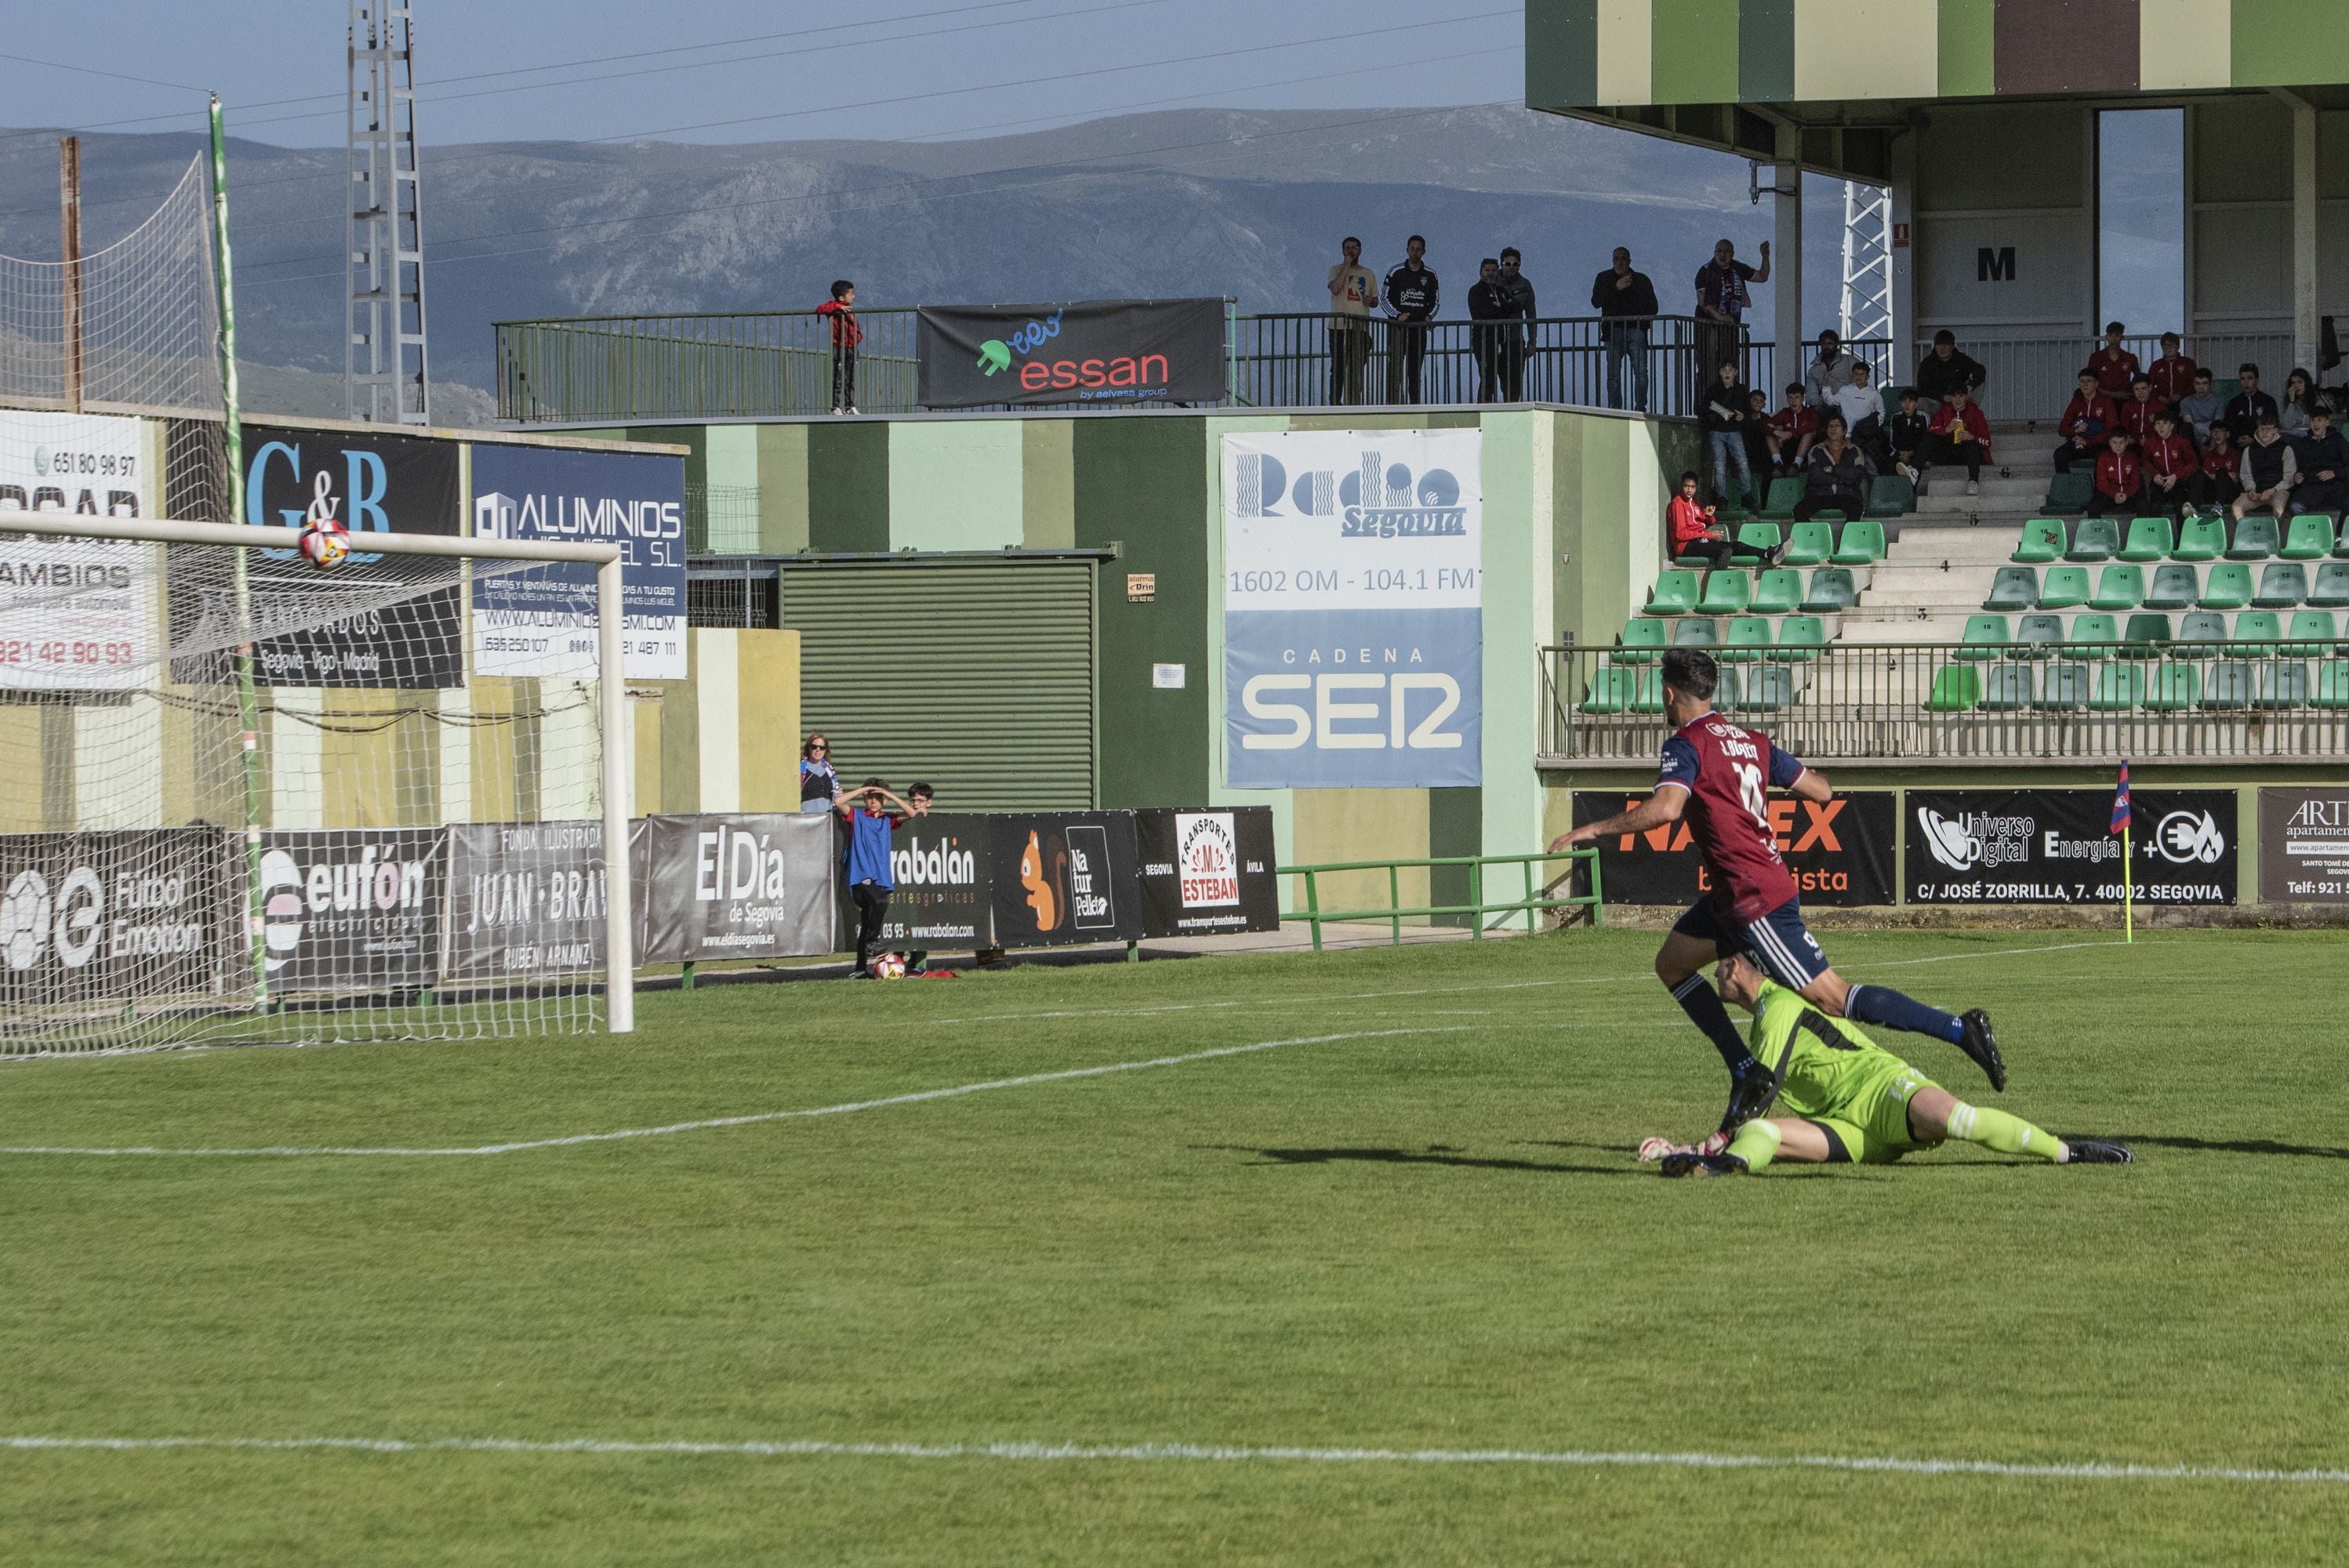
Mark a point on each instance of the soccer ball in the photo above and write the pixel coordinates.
(326, 543)
(889, 966)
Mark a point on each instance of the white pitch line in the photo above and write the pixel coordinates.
(914, 1098)
(1218, 1453)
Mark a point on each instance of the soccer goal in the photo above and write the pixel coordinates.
(247, 798)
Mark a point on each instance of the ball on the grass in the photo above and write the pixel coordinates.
(326, 543)
(890, 966)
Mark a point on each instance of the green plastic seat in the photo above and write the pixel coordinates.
(1783, 494)
(1862, 544)
(2331, 591)
(1768, 689)
(2120, 587)
(1726, 593)
(2171, 688)
(1650, 696)
(2014, 588)
(1696, 631)
(1758, 540)
(2229, 686)
(2200, 636)
(2042, 542)
(1610, 690)
(1747, 640)
(2332, 685)
(1891, 495)
(2256, 632)
(1642, 641)
(2096, 539)
(2174, 587)
(2009, 688)
(2201, 538)
(2255, 538)
(1809, 544)
(2064, 588)
(2070, 492)
(2283, 683)
(2229, 587)
(1985, 637)
(2094, 636)
(1832, 590)
(1777, 592)
(2312, 634)
(1800, 638)
(1675, 593)
(2283, 584)
(2145, 637)
(1956, 689)
(1728, 689)
(2037, 636)
(2308, 537)
(2066, 689)
(2150, 539)
(2119, 687)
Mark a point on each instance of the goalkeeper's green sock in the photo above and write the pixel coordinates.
(2007, 1134)
(1757, 1144)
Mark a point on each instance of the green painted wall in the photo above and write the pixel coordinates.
(848, 485)
(1965, 53)
(1047, 494)
(957, 484)
(1561, 51)
(782, 488)
(1692, 58)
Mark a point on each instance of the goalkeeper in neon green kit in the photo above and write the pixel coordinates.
(1853, 1101)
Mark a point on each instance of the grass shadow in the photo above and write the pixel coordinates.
(1434, 1155)
(2229, 1146)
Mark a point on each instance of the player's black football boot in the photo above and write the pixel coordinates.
(1982, 1045)
(1751, 1094)
(1679, 1165)
(2098, 1152)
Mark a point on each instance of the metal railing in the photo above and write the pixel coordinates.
(2034, 377)
(1533, 906)
(1939, 702)
(703, 365)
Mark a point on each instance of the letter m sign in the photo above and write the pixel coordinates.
(1994, 266)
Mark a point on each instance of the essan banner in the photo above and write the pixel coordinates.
(1840, 852)
(2053, 846)
(1097, 351)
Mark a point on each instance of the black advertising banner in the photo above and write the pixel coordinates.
(1207, 872)
(1099, 351)
(945, 869)
(1065, 877)
(1839, 852)
(525, 900)
(353, 907)
(2055, 846)
(108, 915)
(2305, 845)
(733, 885)
(368, 483)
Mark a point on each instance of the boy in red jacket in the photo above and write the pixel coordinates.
(2173, 373)
(2086, 419)
(1959, 433)
(847, 333)
(2171, 465)
(2120, 478)
(2138, 413)
(1691, 528)
(2216, 487)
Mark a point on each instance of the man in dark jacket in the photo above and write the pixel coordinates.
(1945, 370)
(1835, 475)
(1724, 412)
(2246, 409)
(1410, 304)
(2323, 461)
(1521, 296)
(1496, 336)
(1626, 303)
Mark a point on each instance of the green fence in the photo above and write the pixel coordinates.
(1533, 905)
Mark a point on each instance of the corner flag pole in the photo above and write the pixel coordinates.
(2128, 862)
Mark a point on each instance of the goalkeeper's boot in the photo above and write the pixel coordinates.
(1724, 1164)
(1982, 1045)
(2098, 1152)
(1753, 1089)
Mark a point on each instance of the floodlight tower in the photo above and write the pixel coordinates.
(1866, 311)
(383, 325)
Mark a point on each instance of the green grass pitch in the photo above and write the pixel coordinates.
(1427, 1244)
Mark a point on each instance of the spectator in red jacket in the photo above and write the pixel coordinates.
(2086, 419)
(1694, 530)
(1958, 433)
(847, 333)
(2114, 366)
(2120, 478)
(2217, 485)
(2172, 374)
(2137, 414)
(2171, 465)
(1791, 432)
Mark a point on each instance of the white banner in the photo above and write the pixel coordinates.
(80, 615)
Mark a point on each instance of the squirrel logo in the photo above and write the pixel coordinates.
(1043, 889)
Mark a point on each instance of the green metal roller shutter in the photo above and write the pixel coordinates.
(974, 676)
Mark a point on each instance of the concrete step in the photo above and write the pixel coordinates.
(1953, 547)
(1893, 581)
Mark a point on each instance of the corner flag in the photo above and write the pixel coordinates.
(2129, 872)
(2121, 803)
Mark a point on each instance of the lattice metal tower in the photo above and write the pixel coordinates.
(1866, 311)
(383, 349)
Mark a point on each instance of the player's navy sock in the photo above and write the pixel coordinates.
(1882, 1004)
(1702, 1002)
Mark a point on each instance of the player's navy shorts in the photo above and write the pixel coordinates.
(1779, 941)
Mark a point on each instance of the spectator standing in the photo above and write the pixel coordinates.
(1723, 416)
(819, 784)
(2137, 414)
(1626, 303)
(1836, 476)
(1791, 432)
(847, 333)
(1828, 373)
(1351, 292)
(1490, 308)
(2086, 419)
(2171, 465)
(2219, 483)
(1945, 370)
(2173, 374)
(2247, 408)
(2115, 367)
(1958, 432)
(2199, 408)
(870, 880)
(1522, 338)
(2120, 478)
(2291, 409)
(920, 797)
(2268, 470)
(1695, 530)
(1760, 454)
(1907, 435)
(1411, 296)
(1722, 297)
(2323, 460)
(1862, 408)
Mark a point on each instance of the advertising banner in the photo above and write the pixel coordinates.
(943, 865)
(347, 907)
(733, 885)
(2053, 846)
(1354, 609)
(2305, 845)
(368, 483)
(525, 901)
(116, 915)
(1840, 852)
(541, 622)
(75, 615)
(1096, 351)
(1065, 877)
(1207, 872)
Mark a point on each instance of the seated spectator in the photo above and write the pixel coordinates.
(1958, 433)
(2171, 465)
(2173, 374)
(2291, 408)
(1862, 408)
(2114, 366)
(1724, 417)
(1757, 436)
(1836, 476)
(1945, 370)
(2086, 419)
(2323, 460)
(1792, 431)
(2199, 408)
(2217, 485)
(1829, 373)
(2120, 478)
(1694, 530)
(2137, 415)
(2246, 409)
(2268, 471)
(1907, 436)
